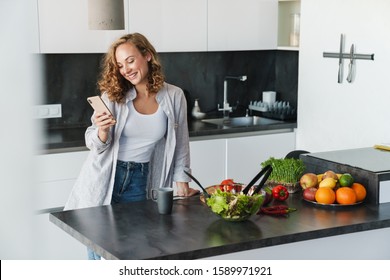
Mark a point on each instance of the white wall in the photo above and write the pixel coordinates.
(17, 132)
(334, 116)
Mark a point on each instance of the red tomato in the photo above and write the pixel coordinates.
(229, 188)
(227, 182)
(238, 188)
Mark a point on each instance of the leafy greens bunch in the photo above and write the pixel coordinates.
(285, 171)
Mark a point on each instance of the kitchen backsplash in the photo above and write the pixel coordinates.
(70, 78)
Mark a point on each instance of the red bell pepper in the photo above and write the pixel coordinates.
(280, 193)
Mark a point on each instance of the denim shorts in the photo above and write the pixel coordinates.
(130, 182)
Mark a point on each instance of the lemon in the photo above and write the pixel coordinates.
(328, 183)
(346, 180)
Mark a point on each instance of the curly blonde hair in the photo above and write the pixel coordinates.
(114, 84)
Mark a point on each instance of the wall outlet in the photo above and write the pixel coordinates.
(48, 111)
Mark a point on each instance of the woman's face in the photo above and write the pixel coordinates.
(132, 65)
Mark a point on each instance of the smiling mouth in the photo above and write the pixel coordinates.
(131, 76)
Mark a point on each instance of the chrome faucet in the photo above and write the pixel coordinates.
(226, 107)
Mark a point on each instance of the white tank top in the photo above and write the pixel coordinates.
(140, 134)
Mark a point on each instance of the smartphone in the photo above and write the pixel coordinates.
(98, 105)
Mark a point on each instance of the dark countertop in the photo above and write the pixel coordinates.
(69, 139)
(64, 138)
(198, 128)
(137, 231)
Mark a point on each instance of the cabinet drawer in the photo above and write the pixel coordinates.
(55, 176)
(52, 194)
(55, 167)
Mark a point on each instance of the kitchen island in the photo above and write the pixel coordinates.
(64, 152)
(137, 231)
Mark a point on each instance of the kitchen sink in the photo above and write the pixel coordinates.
(241, 121)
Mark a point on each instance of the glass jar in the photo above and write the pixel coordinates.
(295, 29)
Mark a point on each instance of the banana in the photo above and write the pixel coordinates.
(328, 183)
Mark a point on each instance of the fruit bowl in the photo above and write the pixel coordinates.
(234, 207)
(332, 205)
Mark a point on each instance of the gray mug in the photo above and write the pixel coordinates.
(164, 198)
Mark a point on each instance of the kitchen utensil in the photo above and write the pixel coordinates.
(351, 72)
(341, 64)
(205, 193)
(266, 171)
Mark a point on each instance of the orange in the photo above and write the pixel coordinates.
(325, 195)
(360, 191)
(345, 195)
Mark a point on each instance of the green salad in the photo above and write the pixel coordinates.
(234, 207)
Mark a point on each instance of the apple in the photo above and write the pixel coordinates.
(330, 174)
(310, 193)
(308, 180)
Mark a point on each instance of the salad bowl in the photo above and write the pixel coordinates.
(234, 207)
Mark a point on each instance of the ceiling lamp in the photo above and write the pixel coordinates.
(106, 15)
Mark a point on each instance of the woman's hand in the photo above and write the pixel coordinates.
(104, 122)
(184, 190)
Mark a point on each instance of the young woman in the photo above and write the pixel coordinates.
(144, 144)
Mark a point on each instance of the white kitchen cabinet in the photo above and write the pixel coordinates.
(208, 161)
(52, 243)
(171, 25)
(63, 28)
(56, 174)
(242, 25)
(237, 157)
(245, 154)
